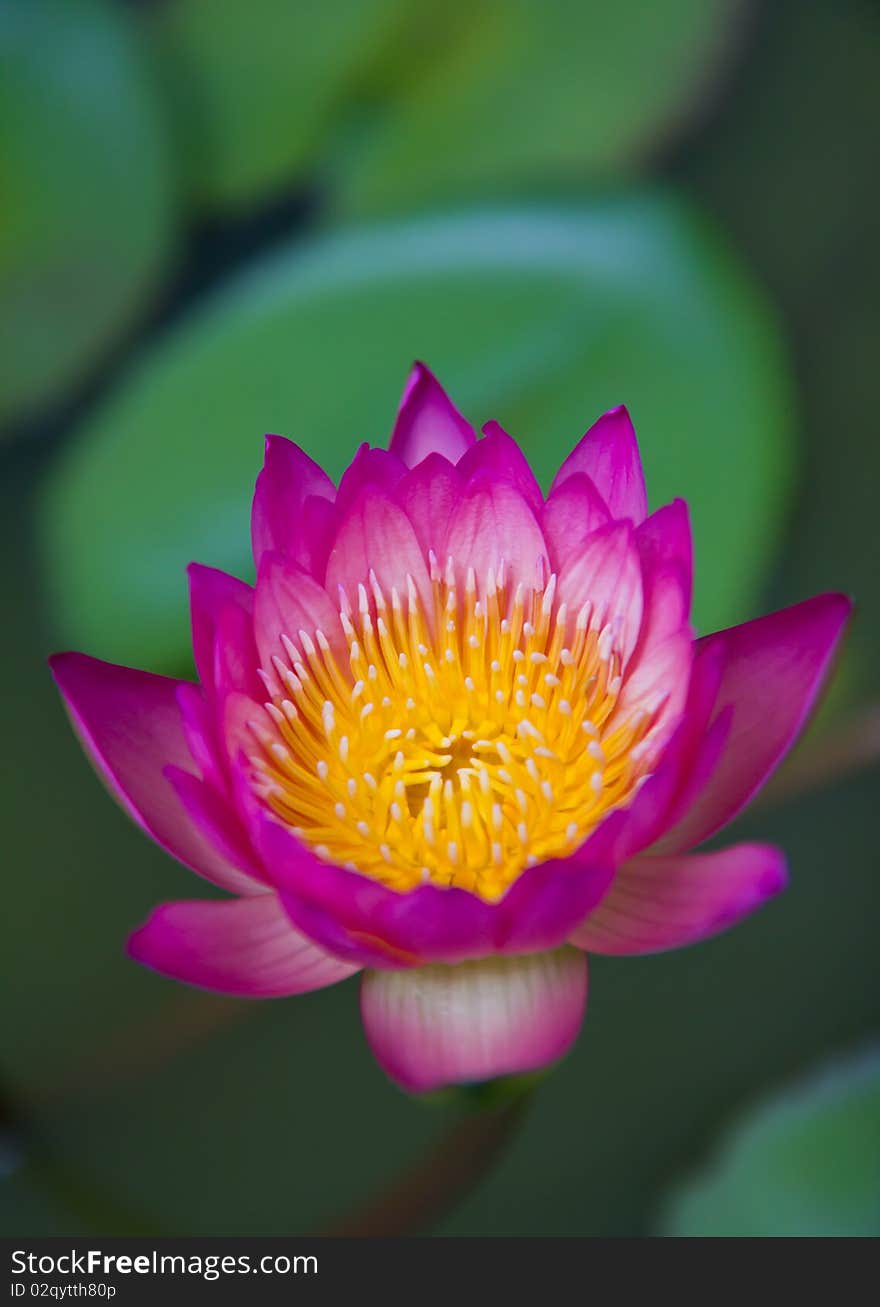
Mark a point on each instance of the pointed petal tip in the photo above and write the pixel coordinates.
(427, 421)
(243, 946)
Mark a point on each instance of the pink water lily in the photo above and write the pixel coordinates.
(458, 736)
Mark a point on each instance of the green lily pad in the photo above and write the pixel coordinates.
(255, 86)
(804, 1164)
(87, 215)
(542, 319)
(532, 90)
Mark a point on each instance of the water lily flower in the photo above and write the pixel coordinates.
(458, 736)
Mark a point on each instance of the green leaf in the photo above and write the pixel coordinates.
(489, 94)
(86, 220)
(416, 101)
(255, 86)
(804, 1164)
(542, 319)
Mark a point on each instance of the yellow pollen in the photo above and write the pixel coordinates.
(453, 744)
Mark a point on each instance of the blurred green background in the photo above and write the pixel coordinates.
(225, 218)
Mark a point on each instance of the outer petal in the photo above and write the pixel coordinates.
(428, 422)
(210, 593)
(239, 946)
(217, 819)
(572, 513)
(200, 730)
(664, 903)
(440, 1025)
(356, 917)
(235, 652)
(664, 543)
(609, 455)
(288, 478)
(772, 669)
(130, 724)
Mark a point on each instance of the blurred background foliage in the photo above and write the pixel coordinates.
(230, 217)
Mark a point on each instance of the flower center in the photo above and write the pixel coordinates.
(458, 746)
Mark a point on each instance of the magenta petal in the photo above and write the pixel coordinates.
(494, 525)
(240, 946)
(607, 575)
(656, 682)
(375, 535)
(686, 760)
(378, 469)
(130, 724)
(356, 917)
(288, 478)
(235, 653)
(428, 422)
(218, 821)
(317, 525)
(498, 457)
(287, 602)
(210, 593)
(428, 495)
(200, 730)
(772, 670)
(609, 455)
(664, 903)
(572, 512)
(237, 714)
(665, 545)
(438, 1026)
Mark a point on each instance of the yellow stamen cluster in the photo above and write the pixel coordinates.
(455, 746)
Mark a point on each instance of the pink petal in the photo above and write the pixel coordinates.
(656, 682)
(609, 455)
(607, 575)
(428, 422)
(572, 513)
(440, 1025)
(493, 524)
(235, 653)
(287, 602)
(428, 495)
(378, 469)
(664, 903)
(356, 917)
(665, 545)
(772, 670)
(213, 814)
(498, 457)
(375, 535)
(317, 526)
(288, 478)
(200, 731)
(240, 946)
(684, 763)
(210, 592)
(129, 723)
(237, 713)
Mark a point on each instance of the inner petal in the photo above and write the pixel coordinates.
(455, 746)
